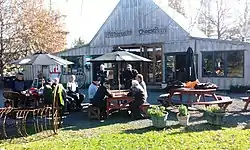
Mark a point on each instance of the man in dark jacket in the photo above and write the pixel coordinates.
(99, 100)
(137, 92)
(102, 74)
(128, 75)
(48, 93)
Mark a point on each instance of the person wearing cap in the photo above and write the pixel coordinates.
(73, 91)
(99, 99)
(137, 92)
(102, 74)
(128, 75)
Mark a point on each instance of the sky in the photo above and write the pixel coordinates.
(85, 17)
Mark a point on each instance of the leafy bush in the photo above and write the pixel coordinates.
(183, 111)
(157, 111)
(215, 109)
(239, 88)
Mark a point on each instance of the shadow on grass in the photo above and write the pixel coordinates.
(80, 120)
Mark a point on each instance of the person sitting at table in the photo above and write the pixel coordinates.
(73, 91)
(99, 100)
(93, 87)
(139, 78)
(19, 87)
(18, 84)
(128, 75)
(137, 92)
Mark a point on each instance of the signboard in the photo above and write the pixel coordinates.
(155, 30)
(114, 34)
(87, 59)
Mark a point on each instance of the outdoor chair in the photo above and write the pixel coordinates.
(12, 97)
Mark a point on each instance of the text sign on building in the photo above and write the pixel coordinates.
(114, 34)
(155, 30)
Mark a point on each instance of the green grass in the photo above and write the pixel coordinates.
(133, 136)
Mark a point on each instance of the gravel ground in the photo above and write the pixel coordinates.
(235, 117)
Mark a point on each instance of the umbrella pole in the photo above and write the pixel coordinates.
(119, 85)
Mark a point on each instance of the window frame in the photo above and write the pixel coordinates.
(225, 55)
(69, 73)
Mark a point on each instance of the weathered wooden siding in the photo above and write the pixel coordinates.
(221, 45)
(133, 15)
(81, 51)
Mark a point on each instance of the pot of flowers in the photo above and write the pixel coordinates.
(214, 115)
(158, 115)
(183, 115)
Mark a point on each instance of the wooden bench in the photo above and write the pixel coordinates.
(247, 102)
(223, 102)
(93, 112)
(163, 98)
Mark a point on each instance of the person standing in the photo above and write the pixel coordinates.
(102, 74)
(48, 93)
(140, 79)
(128, 75)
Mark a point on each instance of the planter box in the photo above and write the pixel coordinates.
(159, 122)
(183, 120)
(214, 118)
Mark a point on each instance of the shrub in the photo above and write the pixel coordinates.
(215, 109)
(183, 111)
(157, 111)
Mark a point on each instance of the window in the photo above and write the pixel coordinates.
(219, 62)
(223, 64)
(76, 67)
(235, 63)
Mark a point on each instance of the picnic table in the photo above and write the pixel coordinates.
(119, 101)
(201, 97)
(198, 93)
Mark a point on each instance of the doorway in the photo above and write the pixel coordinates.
(151, 71)
(176, 66)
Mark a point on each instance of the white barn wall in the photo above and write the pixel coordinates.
(143, 15)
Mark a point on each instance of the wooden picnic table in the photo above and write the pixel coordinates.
(199, 93)
(119, 101)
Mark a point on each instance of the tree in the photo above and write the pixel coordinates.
(218, 20)
(27, 27)
(78, 42)
(177, 5)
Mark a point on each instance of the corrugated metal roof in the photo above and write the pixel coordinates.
(180, 19)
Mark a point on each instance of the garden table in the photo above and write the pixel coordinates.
(199, 93)
(119, 101)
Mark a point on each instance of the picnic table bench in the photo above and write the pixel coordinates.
(247, 102)
(223, 102)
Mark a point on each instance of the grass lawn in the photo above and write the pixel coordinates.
(133, 136)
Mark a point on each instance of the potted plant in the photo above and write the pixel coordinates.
(214, 115)
(183, 115)
(158, 115)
